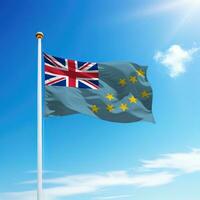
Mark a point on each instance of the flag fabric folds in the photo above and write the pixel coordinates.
(113, 91)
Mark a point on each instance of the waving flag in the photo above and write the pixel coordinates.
(116, 91)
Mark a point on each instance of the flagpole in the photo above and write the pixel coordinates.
(39, 36)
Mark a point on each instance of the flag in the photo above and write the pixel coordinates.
(112, 91)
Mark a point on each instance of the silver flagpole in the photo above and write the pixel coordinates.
(39, 36)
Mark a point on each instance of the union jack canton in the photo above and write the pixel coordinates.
(70, 73)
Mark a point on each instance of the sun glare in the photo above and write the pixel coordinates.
(192, 4)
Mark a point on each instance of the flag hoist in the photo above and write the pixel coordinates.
(39, 36)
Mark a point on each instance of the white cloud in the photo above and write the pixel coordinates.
(89, 183)
(115, 178)
(28, 195)
(175, 59)
(154, 173)
(185, 162)
(112, 197)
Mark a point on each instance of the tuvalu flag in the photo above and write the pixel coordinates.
(113, 91)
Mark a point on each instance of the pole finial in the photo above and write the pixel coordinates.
(39, 35)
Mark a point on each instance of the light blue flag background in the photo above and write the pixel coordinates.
(65, 101)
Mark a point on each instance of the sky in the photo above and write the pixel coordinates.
(85, 157)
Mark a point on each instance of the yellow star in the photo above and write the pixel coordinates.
(140, 72)
(145, 94)
(133, 79)
(110, 107)
(122, 82)
(110, 97)
(94, 108)
(123, 106)
(132, 99)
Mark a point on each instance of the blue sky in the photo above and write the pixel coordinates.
(86, 158)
